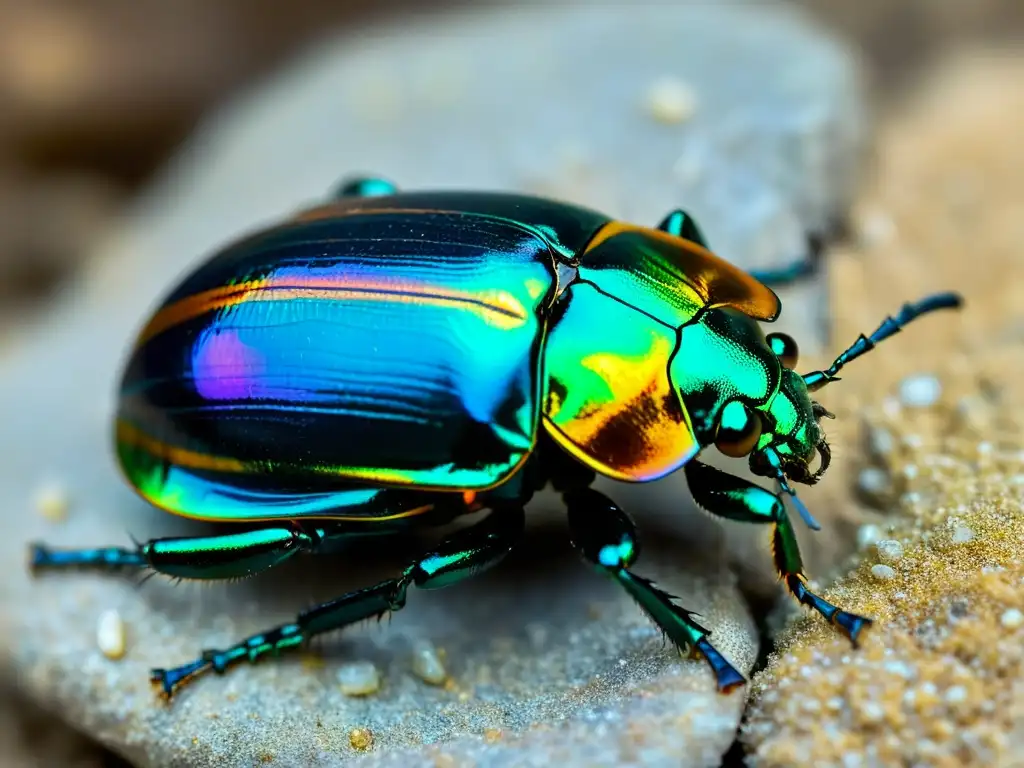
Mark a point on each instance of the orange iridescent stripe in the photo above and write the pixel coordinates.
(271, 517)
(359, 207)
(501, 306)
(129, 435)
(182, 457)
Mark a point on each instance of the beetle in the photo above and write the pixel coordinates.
(391, 359)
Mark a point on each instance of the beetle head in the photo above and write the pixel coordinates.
(791, 434)
(781, 437)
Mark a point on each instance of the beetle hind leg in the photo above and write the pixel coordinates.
(734, 498)
(606, 537)
(461, 555)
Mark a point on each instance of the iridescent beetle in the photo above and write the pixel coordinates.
(393, 359)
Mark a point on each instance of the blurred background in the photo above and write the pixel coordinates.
(95, 95)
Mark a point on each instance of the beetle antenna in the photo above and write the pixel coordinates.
(889, 327)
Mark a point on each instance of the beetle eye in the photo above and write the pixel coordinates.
(738, 430)
(785, 348)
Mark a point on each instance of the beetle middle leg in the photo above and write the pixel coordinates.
(606, 536)
(463, 554)
(734, 498)
(682, 224)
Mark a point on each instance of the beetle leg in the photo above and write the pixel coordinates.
(734, 498)
(461, 555)
(364, 186)
(681, 224)
(606, 537)
(796, 270)
(229, 556)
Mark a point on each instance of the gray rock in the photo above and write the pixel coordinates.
(547, 661)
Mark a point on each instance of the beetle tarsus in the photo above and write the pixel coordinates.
(726, 675)
(42, 557)
(850, 624)
(171, 680)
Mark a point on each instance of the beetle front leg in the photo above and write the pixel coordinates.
(606, 537)
(734, 498)
(230, 556)
(461, 555)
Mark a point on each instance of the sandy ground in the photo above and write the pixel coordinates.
(941, 212)
(936, 682)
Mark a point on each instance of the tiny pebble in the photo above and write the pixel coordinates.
(900, 669)
(920, 391)
(880, 441)
(671, 101)
(962, 534)
(360, 738)
(492, 735)
(912, 441)
(1012, 618)
(956, 694)
(883, 572)
(873, 480)
(889, 550)
(427, 664)
(867, 535)
(51, 501)
(360, 678)
(891, 407)
(110, 635)
(872, 712)
(876, 228)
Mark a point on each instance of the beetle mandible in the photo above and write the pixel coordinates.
(396, 359)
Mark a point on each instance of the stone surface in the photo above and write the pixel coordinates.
(546, 661)
(937, 681)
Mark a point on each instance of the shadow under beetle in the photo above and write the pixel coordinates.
(392, 359)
